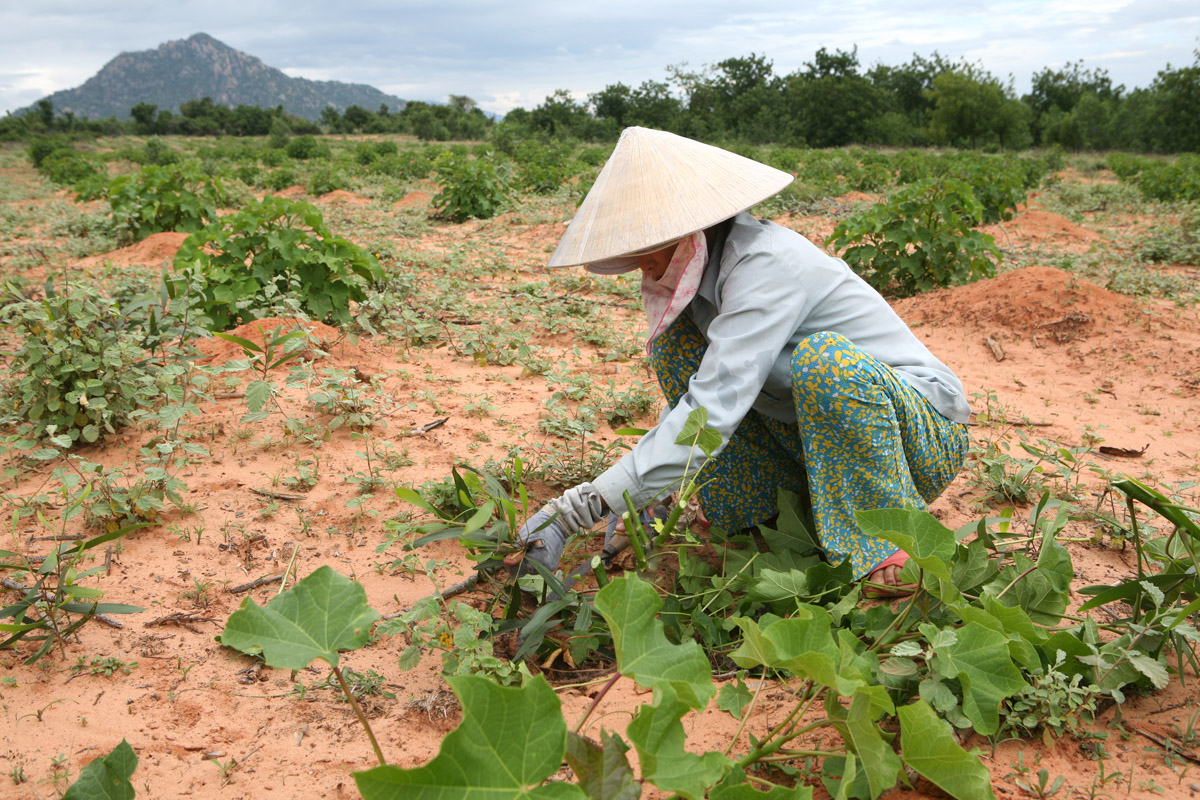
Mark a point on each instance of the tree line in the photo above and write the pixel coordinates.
(831, 101)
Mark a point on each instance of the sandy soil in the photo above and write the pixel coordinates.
(1056, 356)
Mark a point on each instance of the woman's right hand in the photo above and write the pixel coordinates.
(544, 538)
(615, 539)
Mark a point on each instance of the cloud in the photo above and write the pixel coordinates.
(516, 53)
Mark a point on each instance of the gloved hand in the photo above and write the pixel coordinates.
(615, 539)
(544, 538)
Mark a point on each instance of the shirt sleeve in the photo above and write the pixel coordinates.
(762, 303)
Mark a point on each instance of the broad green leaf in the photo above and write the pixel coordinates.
(696, 430)
(794, 533)
(258, 392)
(802, 644)
(928, 542)
(878, 760)
(980, 661)
(928, 746)
(658, 735)
(106, 778)
(510, 740)
(603, 770)
(772, 586)
(1041, 593)
(630, 606)
(734, 697)
(318, 617)
(1152, 668)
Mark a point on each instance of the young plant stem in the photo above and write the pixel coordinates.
(782, 730)
(899, 619)
(361, 716)
(762, 681)
(1015, 581)
(596, 701)
(1137, 547)
(633, 529)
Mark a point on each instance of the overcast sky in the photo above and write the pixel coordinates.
(505, 54)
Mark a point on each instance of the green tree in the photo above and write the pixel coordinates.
(1056, 93)
(1173, 121)
(144, 118)
(972, 109)
(831, 103)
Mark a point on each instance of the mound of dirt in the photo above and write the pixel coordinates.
(342, 197)
(292, 192)
(857, 197)
(1035, 224)
(1027, 301)
(219, 351)
(151, 251)
(412, 200)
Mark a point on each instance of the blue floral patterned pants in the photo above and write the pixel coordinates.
(863, 439)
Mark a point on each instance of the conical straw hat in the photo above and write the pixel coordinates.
(658, 187)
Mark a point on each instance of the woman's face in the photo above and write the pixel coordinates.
(654, 265)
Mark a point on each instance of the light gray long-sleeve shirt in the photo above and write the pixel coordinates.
(766, 288)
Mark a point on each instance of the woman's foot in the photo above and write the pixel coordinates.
(884, 580)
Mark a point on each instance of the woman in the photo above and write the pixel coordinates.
(813, 382)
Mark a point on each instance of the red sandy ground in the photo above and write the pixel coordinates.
(1075, 356)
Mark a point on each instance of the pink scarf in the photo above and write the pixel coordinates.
(665, 299)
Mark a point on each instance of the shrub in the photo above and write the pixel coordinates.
(176, 197)
(78, 372)
(326, 180)
(42, 148)
(68, 168)
(1175, 244)
(280, 179)
(306, 147)
(543, 168)
(156, 151)
(920, 239)
(274, 157)
(1180, 180)
(271, 251)
(471, 187)
(409, 165)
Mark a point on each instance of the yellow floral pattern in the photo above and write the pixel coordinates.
(863, 439)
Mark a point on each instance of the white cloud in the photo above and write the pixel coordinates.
(517, 53)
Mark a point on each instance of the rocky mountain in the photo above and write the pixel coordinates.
(199, 67)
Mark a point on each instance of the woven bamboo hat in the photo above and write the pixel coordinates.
(655, 189)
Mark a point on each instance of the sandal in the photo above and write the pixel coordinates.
(881, 591)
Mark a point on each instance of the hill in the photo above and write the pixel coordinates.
(201, 66)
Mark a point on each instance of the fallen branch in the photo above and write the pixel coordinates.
(421, 430)
(245, 587)
(1175, 747)
(1065, 320)
(278, 495)
(445, 594)
(997, 350)
(182, 619)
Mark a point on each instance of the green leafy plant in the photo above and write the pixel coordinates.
(307, 147)
(321, 616)
(278, 348)
(920, 239)
(79, 373)
(471, 187)
(107, 777)
(174, 197)
(53, 602)
(270, 252)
